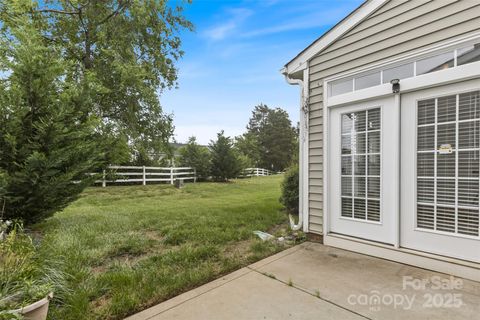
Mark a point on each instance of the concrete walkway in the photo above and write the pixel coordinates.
(312, 281)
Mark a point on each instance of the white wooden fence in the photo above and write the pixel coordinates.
(137, 174)
(256, 172)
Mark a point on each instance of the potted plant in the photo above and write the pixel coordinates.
(25, 287)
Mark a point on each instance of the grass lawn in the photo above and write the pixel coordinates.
(129, 247)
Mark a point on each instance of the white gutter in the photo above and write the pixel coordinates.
(303, 156)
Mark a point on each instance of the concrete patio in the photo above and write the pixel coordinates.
(313, 281)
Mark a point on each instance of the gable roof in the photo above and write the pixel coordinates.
(299, 62)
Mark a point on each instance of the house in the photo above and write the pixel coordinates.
(390, 133)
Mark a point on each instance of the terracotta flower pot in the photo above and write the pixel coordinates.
(37, 310)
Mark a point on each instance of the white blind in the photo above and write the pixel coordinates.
(448, 136)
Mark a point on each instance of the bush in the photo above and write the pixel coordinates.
(47, 143)
(290, 189)
(196, 156)
(225, 161)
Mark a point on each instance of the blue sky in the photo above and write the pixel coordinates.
(233, 58)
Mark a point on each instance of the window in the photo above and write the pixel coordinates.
(401, 72)
(468, 54)
(341, 86)
(367, 81)
(361, 165)
(465, 55)
(448, 160)
(435, 63)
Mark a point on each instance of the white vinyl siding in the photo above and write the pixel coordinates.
(396, 28)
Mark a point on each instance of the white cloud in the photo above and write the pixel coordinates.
(221, 31)
(316, 19)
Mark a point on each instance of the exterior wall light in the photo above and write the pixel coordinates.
(395, 85)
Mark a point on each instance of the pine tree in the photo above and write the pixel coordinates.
(196, 156)
(46, 146)
(225, 163)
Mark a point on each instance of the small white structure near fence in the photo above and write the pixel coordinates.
(137, 174)
(256, 172)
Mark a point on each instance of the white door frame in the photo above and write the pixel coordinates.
(383, 231)
(429, 80)
(451, 244)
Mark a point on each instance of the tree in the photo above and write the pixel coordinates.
(275, 137)
(196, 156)
(47, 146)
(122, 53)
(225, 162)
(247, 146)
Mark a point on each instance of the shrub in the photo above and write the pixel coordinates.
(47, 143)
(290, 190)
(225, 161)
(196, 156)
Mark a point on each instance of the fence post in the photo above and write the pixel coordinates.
(194, 175)
(171, 175)
(104, 181)
(144, 176)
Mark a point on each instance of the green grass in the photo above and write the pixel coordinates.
(129, 247)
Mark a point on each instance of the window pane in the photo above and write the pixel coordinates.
(373, 210)
(469, 135)
(425, 164)
(346, 144)
(425, 190)
(367, 81)
(446, 165)
(347, 207)
(468, 163)
(425, 216)
(374, 165)
(447, 109)
(360, 121)
(359, 187)
(426, 112)
(373, 188)
(468, 192)
(446, 134)
(446, 219)
(435, 63)
(359, 209)
(468, 221)
(426, 138)
(359, 164)
(346, 165)
(374, 119)
(446, 191)
(374, 142)
(346, 186)
(400, 72)
(468, 54)
(469, 106)
(347, 123)
(341, 86)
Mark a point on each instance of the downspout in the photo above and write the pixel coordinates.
(303, 140)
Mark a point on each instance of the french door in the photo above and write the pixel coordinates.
(440, 170)
(363, 165)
